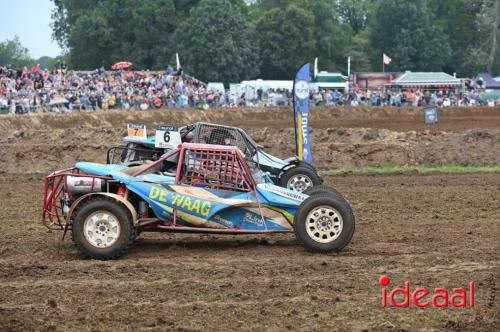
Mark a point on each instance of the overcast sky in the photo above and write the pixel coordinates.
(29, 19)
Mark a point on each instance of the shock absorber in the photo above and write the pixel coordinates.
(143, 209)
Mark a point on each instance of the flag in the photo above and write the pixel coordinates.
(301, 113)
(178, 63)
(315, 67)
(387, 60)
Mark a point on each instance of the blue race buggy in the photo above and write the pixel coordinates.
(105, 206)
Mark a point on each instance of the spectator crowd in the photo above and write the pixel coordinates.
(59, 90)
(405, 98)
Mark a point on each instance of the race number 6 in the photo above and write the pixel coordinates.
(167, 137)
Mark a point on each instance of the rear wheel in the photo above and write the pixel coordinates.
(324, 223)
(103, 229)
(299, 178)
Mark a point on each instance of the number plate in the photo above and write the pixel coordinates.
(137, 131)
(167, 137)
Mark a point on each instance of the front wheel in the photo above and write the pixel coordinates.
(103, 229)
(324, 223)
(322, 189)
(299, 178)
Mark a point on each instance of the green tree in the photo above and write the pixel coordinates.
(487, 47)
(458, 19)
(216, 43)
(355, 13)
(294, 31)
(286, 38)
(99, 33)
(360, 51)
(14, 54)
(331, 37)
(405, 30)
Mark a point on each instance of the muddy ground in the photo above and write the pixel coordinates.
(341, 138)
(433, 230)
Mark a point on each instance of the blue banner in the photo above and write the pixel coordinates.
(301, 113)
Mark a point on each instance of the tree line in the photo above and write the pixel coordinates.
(233, 40)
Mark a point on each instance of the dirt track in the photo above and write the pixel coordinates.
(434, 230)
(342, 138)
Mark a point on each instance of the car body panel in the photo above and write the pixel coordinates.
(99, 169)
(269, 207)
(150, 141)
(207, 207)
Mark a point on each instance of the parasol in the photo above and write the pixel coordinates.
(121, 65)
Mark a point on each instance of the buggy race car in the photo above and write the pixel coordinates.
(290, 173)
(105, 206)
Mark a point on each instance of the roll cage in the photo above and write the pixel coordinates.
(215, 166)
(199, 165)
(203, 133)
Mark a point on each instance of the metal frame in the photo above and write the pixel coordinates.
(110, 155)
(216, 159)
(53, 216)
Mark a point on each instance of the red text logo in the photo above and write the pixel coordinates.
(402, 297)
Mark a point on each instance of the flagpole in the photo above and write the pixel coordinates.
(383, 64)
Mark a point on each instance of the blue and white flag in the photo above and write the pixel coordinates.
(301, 113)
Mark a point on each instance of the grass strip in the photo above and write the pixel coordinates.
(415, 169)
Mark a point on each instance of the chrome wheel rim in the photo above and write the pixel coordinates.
(101, 229)
(299, 182)
(324, 224)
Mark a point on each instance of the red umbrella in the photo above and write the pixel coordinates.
(121, 65)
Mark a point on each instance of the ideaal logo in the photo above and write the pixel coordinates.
(422, 297)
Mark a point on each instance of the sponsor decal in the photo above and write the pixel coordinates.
(252, 218)
(301, 114)
(283, 192)
(84, 183)
(302, 89)
(303, 138)
(187, 203)
(217, 218)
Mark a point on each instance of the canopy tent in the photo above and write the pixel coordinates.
(492, 95)
(325, 80)
(373, 80)
(122, 65)
(486, 81)
(427, 80)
